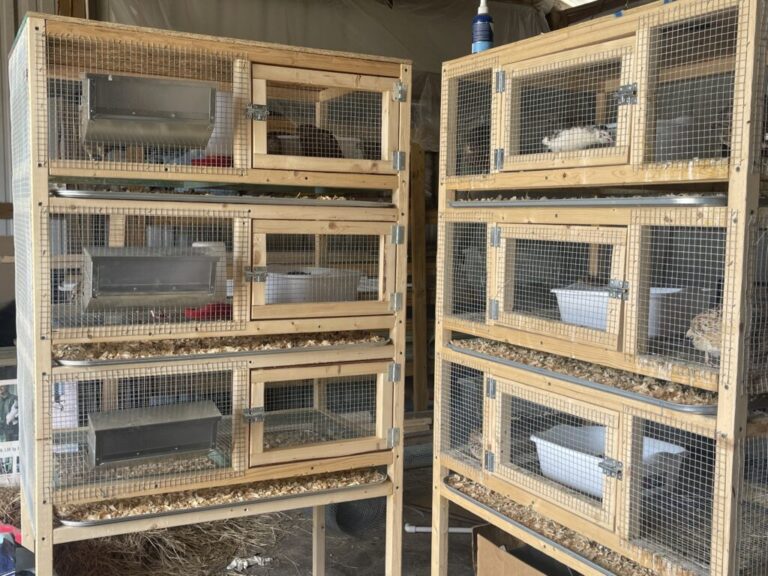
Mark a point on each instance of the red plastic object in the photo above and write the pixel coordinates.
(8, 529)
(215, 311)
(215, 161)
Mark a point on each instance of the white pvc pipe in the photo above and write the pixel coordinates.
(411, 529)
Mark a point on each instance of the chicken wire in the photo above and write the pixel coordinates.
(128, 271)
(468, 120)
(461, 413)
(758, 305)
(693, 53)
(122, 104)
(463, 276)
(680, 257)
(572, 109)
(671, 508)
(131, 401)
(320, 410)
(554, 447)
(322, 268)
(323, 122)
(753, 508)
(555, 280)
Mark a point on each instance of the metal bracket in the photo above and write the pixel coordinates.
(493, 309)
(495, 236)
(254, 414)
(490, 388)
(611, 468)
(398, 160)
(498, 159)
(626, 94)
(398, 234)
(490, 461)
(393, 437)
(618, 289)
(396, 301)
(258, 112)
(255, 273)
(399, 91)
(501, 80)
(394, 372)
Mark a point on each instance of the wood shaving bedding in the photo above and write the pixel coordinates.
(188, 346)
(589, 549)
(638, 383)
(191, 499)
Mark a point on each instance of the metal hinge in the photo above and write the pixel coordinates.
(493, 309)
(255, 274)
(498, 158)
(618, 289)
(626, 94)
(394, 372)
(501, 80)
(398, 160)
(254, 414)
(393, 437)
(399, 91)
(398, 234)
(395, 301)
(495, 236)
(611, 468)
(490, 461)
(490, 388)
(258, 112)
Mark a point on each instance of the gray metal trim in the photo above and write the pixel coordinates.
(254, 414)
(255, 274)
(627, 94)
(495, 236)
(611, 468)
(394, 372)
(399, 91)
(393, 437)
(257, 112)
(527, 530)
(705, 410)
(594, 202)
(398, 234)
(490, 388)
(493, 309)
(501, 81)
(398, 160)
(396, 301)
(498, 159)
(489, 461)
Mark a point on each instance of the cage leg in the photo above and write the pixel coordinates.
(440, 509)
(318, 541)
(394, 529)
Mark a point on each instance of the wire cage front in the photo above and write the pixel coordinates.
(349, 267)
(758, 328)
(118, 271)
(122, 431)
(569, 112)
(462, 276)
(688, 102)
(461, 413)
(134, 105)
(753, 507)
(303, 413)
(671, 506)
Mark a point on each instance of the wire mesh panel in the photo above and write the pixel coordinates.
(679, 258)
(122, 431)
(570, 112)
(322, 115)
(558, 448)
(561, 281)
(464, 270)
(689, 101)
(339, 263)
(461, 413)
(130, 271)
(758, 327)
(118, 104)
(671, 502)
(753, 508)
(468, 118)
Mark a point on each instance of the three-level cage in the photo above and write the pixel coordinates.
(211, 272)
(602, 274)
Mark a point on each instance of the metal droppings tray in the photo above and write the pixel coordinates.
(215, 199)
(89, 523)
(595, 202)
(215, 355)
(706, 409)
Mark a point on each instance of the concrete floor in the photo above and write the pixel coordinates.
(350, 556)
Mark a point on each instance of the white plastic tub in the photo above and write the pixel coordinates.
(571, 455)
(586, 305)
(286, 285)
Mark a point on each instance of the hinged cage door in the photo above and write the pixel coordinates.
(561, 281)
(572, 109)
(313, 120)
(322, 269)
(559, 449)
(319, 412)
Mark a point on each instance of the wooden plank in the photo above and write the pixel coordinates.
(321, 79)
(417, 237)
(321, 227)
(319, 310)
(318, 541)
(310, 163)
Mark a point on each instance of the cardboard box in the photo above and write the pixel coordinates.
(496, 553)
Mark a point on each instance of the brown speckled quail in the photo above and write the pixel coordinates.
(706, 332)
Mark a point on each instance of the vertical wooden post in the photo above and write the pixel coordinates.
(318, 541)
(418, 245)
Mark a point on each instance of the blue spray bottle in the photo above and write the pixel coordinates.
(482, 29)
